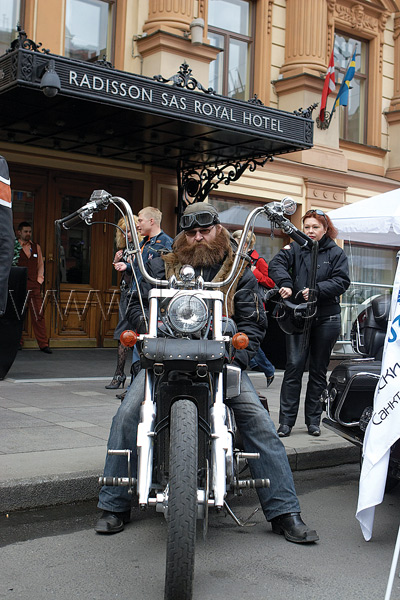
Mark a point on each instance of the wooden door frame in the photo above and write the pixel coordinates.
(97, 329)
(48, 186)
(34, 181)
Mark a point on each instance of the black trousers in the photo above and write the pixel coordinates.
(324, 333)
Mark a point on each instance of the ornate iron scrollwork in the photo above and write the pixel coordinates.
(326, 122)
(196, 184)
(184, 79)
(255, 100)
(103, 62)
(306, 113)
(22, 41)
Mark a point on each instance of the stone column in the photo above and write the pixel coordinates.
(173, 16)
(306, 37)
(168, 39)
(308, 44)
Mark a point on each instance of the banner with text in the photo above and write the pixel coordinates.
(384, 427)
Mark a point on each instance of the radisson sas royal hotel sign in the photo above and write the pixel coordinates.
(106, 85)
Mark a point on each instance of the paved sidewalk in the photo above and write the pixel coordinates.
(55, 415)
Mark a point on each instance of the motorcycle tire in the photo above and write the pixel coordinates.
(182, 501)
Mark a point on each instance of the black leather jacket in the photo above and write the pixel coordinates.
(249, 314)
(291, 268)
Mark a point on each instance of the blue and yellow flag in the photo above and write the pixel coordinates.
(343, 93)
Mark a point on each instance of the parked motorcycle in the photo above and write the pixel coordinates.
(348, 399)
(188, 459)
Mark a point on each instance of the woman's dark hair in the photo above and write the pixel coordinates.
(323, 218)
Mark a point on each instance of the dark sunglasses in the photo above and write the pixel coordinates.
(194, 232)
(202, 219)
(317, 211)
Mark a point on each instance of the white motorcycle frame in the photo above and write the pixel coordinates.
(221, 438)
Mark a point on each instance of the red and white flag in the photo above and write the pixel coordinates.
(329, 86)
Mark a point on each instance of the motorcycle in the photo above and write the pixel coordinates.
(348, 398)
(188, 458)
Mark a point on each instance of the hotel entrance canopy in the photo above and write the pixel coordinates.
(173, 123)
(56, 103)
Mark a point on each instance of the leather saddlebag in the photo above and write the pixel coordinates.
(351, 389)
(164, 354)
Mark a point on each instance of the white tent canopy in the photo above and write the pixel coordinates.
(375, 220)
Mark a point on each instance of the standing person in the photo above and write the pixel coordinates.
(123, 234)
(259, 268)
(153, 243)
(207, 247)
(6, 233)
(290, 269)
(31, 257)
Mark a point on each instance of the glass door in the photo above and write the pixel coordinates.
(88, 291)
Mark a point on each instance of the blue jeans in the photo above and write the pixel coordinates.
(261, 361)
(258, 435)
(135, 354)
(323, 336)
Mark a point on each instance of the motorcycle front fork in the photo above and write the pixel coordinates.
(222, 455)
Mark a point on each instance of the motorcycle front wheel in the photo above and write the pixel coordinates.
(182, 501)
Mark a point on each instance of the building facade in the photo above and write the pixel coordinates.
(270, 51)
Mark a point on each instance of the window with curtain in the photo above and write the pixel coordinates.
(89, 26)
(353, 117)
(230, 27)
(10, 17)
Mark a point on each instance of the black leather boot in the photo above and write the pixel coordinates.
(112, 522)
(294, 529)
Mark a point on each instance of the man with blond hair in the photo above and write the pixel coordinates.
(151, 212)
(154, 243)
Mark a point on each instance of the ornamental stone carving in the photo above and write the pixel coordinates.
(355, 17)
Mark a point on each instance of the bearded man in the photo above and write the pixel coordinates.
(205, 244)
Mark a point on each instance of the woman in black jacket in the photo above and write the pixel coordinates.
(290, 269)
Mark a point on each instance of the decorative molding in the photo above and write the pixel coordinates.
(324, 195)
(269, 16)
(356, 18)
(396, 31)
(331, 27)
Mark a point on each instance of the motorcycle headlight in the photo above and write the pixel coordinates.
(187, 313)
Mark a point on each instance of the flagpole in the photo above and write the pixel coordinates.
(393, 567)
(332, 111)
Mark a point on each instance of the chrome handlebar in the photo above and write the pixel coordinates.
(100, 200)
